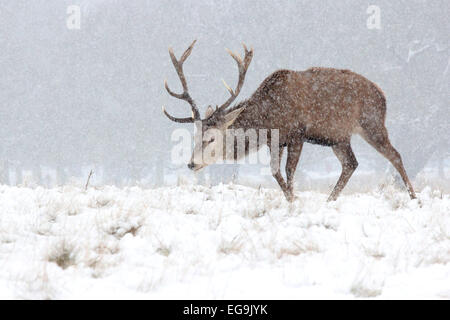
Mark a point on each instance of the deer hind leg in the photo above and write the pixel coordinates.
(344, 153)
(380, 141)
(294, 151)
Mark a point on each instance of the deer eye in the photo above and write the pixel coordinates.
(206, 142)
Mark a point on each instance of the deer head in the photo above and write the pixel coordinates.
(211, 130)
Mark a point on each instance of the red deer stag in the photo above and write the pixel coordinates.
(323, 106)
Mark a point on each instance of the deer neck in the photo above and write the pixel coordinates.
(246, 119)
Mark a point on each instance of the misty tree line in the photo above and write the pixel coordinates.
(73, 100)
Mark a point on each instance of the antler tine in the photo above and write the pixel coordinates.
(248, 56)
(178, 64)
(173, 94)
(187, 52)
(179, 120)
(242, 66)
(228, 87)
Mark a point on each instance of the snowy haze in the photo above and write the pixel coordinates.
(76, 100)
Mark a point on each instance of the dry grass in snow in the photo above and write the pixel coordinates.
(227, 241)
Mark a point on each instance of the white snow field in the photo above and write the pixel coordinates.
(223, 242)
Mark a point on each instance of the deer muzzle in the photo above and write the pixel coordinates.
(194, 166)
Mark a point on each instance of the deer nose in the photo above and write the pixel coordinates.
(191, 166)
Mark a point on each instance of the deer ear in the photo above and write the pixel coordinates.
(209, 112)
(230, 117)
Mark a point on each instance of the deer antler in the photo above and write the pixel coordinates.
(178, 64)
(243, 66)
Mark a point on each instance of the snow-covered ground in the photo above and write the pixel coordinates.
(227, 241)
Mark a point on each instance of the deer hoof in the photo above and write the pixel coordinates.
(290, 197)
(331, 198)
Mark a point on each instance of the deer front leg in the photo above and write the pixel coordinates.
(275, 167)
(294, 151)
(344, 153)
